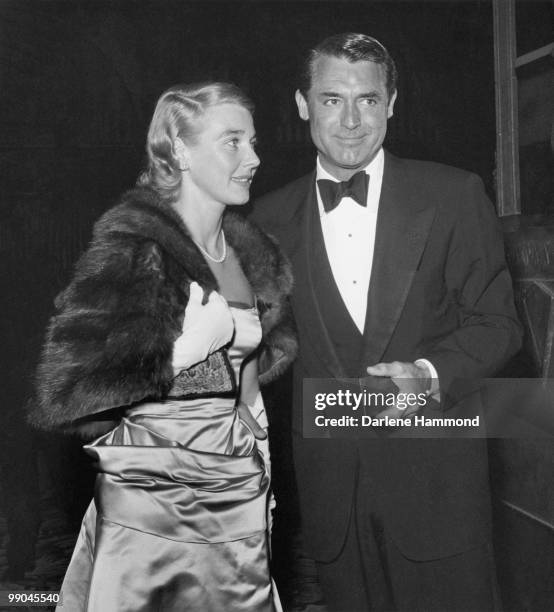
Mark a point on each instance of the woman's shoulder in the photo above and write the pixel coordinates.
(122, 249)
(139, 222)
(138, 211)
(144, 232)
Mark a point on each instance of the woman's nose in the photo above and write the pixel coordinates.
(252, 160)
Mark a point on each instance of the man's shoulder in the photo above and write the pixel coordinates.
(430, 170)
(454, 193)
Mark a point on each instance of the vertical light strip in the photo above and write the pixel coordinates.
(507, 152)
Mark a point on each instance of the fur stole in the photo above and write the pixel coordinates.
(110, 343)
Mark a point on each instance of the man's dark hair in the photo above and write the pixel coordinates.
(354, 48)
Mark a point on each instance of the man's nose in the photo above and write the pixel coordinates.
(351, 116)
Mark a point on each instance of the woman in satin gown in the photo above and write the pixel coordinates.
(181, 513)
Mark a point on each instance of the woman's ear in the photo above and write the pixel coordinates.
(181, 153)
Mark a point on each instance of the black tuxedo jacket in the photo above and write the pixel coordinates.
(439, 290)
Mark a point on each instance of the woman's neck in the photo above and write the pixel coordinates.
(203, 221)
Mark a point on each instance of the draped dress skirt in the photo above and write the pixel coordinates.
(179, 516)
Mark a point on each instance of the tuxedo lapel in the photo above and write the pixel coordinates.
(308, 312)
(403, 224)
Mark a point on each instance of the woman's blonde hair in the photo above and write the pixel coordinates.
(176, 115)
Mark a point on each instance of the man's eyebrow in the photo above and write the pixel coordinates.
(371, 94)
(334, 94)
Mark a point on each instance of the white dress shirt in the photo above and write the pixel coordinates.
(349, 236)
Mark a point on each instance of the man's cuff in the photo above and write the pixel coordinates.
(434, 389)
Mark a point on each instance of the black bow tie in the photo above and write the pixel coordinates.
(332, 193)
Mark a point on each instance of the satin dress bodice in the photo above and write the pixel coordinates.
(208, 423)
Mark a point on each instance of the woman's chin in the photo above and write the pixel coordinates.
(238, 201)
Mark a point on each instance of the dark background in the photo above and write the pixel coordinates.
(79, 81)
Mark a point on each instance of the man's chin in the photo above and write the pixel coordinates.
(354, 162)
(348, 166)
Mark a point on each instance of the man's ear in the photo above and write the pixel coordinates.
(302, 105)
(181, 153)
(390, 107)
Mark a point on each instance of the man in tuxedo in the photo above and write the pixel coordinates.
(399, 273)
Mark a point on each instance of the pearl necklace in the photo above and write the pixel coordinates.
(215, 259)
